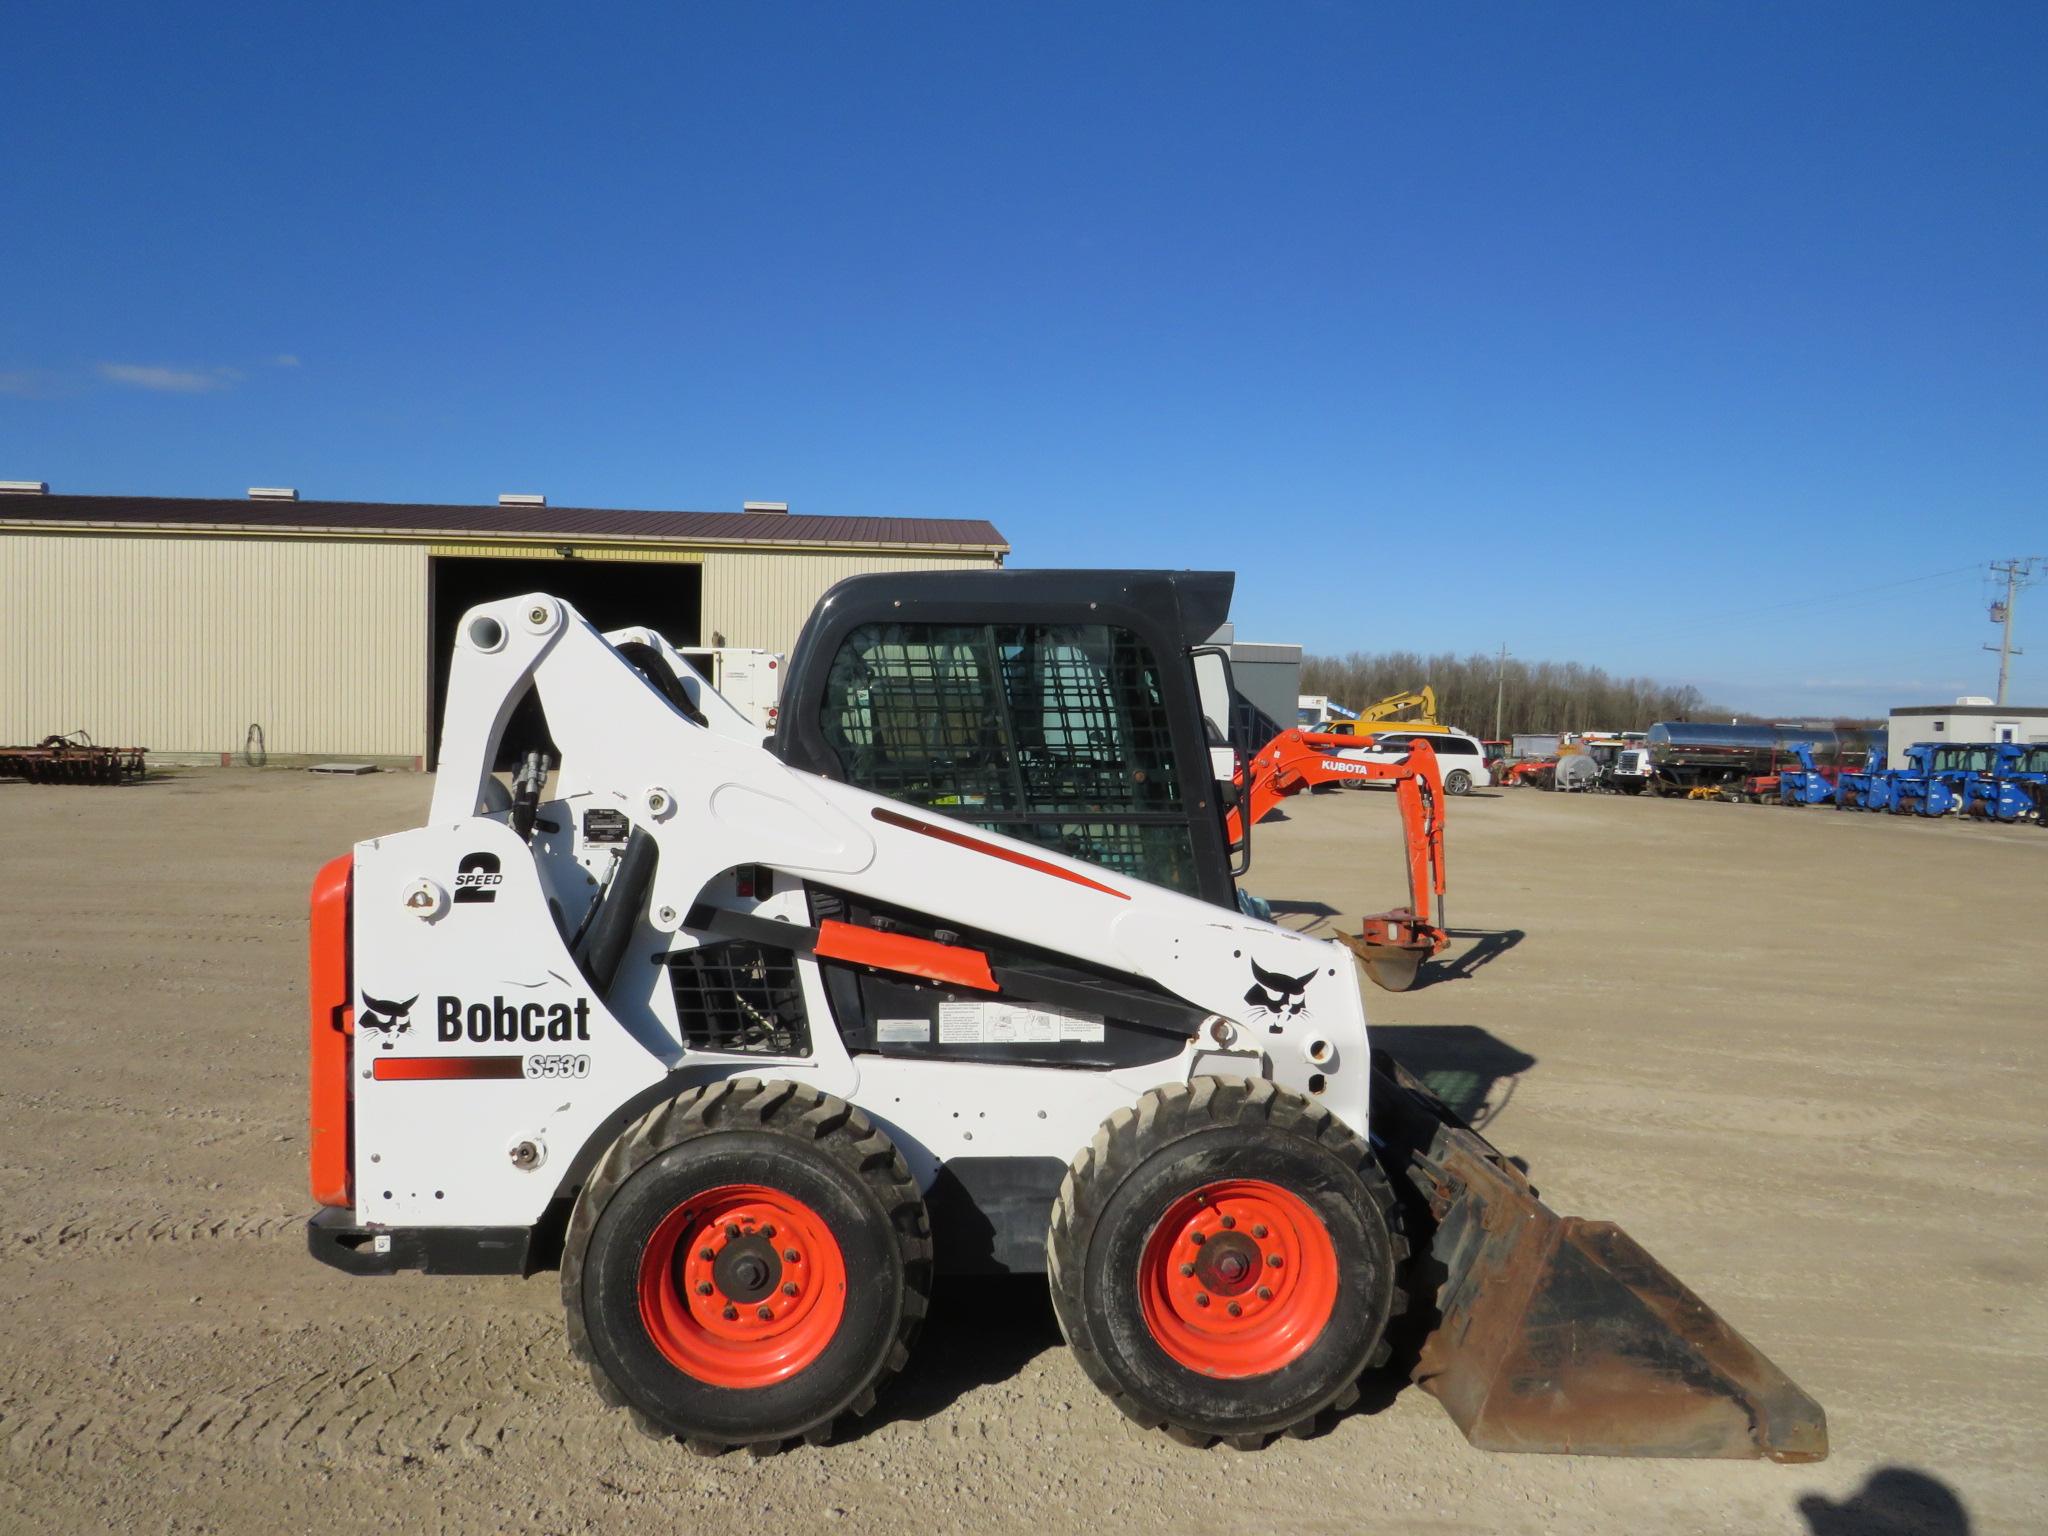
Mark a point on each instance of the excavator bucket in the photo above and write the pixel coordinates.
(1392, 946)
(1563, 1335)
(1393, 968)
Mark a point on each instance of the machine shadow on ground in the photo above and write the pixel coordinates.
(981, 1330)
(1470, 1069)
(985, 1329)
(1482, 946)
(1317, 913)
(1893, 1501)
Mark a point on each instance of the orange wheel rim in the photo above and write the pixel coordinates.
(1238, 1279)
(742, 1286)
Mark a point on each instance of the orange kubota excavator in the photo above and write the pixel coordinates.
(1393, 944)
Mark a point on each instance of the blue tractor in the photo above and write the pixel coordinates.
(1995, 785)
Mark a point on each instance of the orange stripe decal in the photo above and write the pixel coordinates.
(961, 839)
(333, 1026)
(445, 1069)
(905, 955)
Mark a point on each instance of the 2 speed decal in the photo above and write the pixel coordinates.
(477, 878)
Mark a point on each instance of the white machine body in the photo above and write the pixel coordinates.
(488, 1071)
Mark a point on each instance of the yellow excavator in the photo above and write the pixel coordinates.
(1380, 716)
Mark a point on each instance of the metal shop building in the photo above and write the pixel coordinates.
(178, 623)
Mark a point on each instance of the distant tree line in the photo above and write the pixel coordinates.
(1537, 696)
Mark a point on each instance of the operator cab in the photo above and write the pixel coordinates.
(1058, 707)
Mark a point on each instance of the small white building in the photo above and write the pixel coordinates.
(1968, 719)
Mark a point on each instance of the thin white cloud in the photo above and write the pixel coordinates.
(169, 381)
(285, 360)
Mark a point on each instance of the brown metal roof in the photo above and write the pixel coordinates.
(226, 515)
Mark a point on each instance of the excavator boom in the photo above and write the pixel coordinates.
(1422, 700)
(1392, 945)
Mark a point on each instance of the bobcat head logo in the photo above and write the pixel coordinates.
(1272, 993)
(385, 1018)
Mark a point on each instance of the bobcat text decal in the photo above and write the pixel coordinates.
(503, 1021)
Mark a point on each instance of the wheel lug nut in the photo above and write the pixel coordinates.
(789, 1255)
(1230, 1221)
(732, 1232)
(706, 1255)
(1259, 1230)
(1187, 1269)
(1273, 1259)
(1201, 1299)
(1197, 1238)
(732, 1314)
(769, 1233)
(1236, 1310)
(1265, 1293)
(764, 1313)
(703, 1287)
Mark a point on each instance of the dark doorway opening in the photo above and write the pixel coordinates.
(663, 595)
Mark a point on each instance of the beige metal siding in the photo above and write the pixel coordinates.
(180, 644)
(761, 598)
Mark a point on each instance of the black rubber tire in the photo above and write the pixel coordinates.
(1143, 1159)
(785, 1136)
(1457, 782)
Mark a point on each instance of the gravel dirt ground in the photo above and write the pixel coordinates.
(1796, 1053)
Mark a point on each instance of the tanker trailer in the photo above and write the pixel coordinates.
(1688, 755)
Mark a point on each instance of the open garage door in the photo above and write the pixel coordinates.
(664, 595)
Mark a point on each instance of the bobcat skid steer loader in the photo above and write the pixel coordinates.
(951, 975)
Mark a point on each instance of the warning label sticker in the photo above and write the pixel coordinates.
(899, 1031)
(978, 1023)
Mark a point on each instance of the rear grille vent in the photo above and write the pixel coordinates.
(740, 998)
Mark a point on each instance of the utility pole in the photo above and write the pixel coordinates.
(1500, 685)
(2018, 573)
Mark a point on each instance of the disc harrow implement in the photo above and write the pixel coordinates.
(73, 759)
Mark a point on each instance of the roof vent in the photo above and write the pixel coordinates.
(1974, 698)
(520, 499)
(272, 493)
(765, 506)
(24, 487)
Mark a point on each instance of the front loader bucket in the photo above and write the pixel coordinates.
(1563, 1335)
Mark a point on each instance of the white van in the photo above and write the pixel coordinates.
(1459, 756)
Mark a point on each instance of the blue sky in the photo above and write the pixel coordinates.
(1702, 341)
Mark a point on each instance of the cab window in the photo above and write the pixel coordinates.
(1055, 734)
